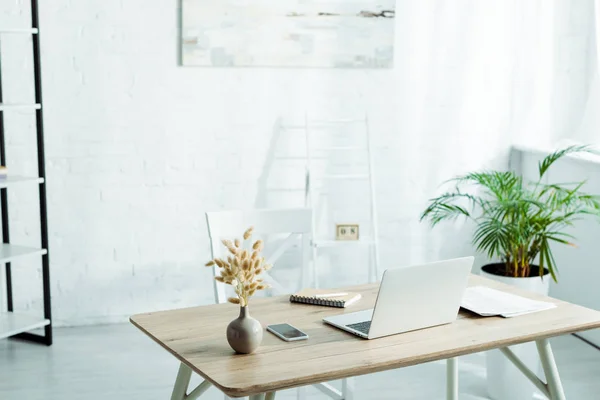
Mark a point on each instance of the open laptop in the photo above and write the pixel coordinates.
(410, 298)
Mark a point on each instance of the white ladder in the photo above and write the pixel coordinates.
(313, 193)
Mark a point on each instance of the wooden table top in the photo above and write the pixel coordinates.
(196, 336)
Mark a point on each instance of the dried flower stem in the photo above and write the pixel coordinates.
(242, 268)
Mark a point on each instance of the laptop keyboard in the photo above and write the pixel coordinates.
(361, 327)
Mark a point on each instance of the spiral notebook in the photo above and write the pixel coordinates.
(325, 297)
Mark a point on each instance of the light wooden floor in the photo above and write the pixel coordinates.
(117, 362)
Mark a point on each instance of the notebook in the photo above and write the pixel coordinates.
(325, 297)
(490, 302)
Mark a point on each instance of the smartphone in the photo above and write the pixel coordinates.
(287, 332)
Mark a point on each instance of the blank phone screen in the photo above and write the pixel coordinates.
(286, 330)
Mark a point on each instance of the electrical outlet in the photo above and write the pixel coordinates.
(346, 232)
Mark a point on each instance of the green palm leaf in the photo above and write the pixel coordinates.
(516, 221)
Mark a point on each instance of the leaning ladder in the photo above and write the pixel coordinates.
(313, 192)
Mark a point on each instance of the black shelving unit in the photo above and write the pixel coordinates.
(18, 325)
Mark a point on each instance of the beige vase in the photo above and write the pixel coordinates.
(244, 333)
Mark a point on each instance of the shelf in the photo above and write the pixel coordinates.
(9, 252)
(14, 323)
(283, 190)
(340, 148)
(11, 179)
(365, 241)
(28, 31)
(335, 121)
(19, 106)
(341, 176)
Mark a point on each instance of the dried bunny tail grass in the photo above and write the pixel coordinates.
(251, 292)
(219, 279)
(268, 267)
(246, 265)
(256, 264)
(244, 254)
(248, 233)
(226, 274)
(220, 263)
(258, 245)
(253, 285)
(258, 271)
(210, 263)
(232, 250)
(237, 243)
(263, 286)
(254, 255)
(227, 242)
(234, 300)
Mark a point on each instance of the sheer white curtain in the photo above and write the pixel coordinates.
(473, 78)
(589, 131)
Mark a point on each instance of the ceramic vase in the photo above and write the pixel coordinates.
(244, 333)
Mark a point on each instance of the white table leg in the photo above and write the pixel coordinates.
(452, 379)
(182, 382)
(549, 365)
(270, 396)
(348, 389)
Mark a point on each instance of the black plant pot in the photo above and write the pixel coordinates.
(499, 269)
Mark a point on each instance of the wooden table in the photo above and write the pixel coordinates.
(196, 336)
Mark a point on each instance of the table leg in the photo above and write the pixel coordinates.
(270, 396)
(549, 365)
(182, 382)
(452, 379)
(348, 388)
(258, 396)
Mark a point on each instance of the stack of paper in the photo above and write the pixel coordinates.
(488, 302)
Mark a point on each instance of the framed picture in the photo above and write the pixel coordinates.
(288, 33)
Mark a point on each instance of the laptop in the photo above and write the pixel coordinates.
(411, 298)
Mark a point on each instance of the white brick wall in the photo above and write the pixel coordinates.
(138, 147)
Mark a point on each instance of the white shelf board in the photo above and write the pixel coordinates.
(11, 179)
(340, 148)
(283, 190)
(9, 252)
(335, 121)
(364, 241)
(19, 106)
(13, 323)
(29, 31)
(341, 176)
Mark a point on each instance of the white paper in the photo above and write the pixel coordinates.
(489, 302)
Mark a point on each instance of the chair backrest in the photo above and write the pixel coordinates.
(296, 222)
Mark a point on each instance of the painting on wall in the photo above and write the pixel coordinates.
(288, 33)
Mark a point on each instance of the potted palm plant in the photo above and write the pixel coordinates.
(516, 224)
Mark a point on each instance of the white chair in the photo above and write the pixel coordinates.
(297, 225)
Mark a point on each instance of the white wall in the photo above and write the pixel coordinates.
(139, 147)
